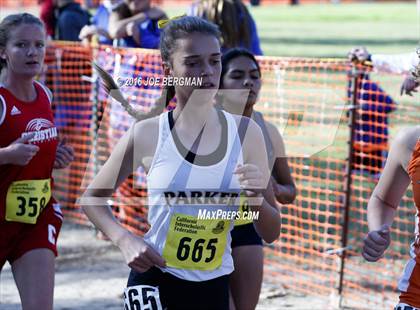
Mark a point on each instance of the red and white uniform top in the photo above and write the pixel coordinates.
(18, 119)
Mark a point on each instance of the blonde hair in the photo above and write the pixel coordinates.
(9, 23)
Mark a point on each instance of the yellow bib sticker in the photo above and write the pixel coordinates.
(193, 243)
(26, 199)
(244, 208)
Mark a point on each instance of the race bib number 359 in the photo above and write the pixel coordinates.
(26, 199)
(196, 244)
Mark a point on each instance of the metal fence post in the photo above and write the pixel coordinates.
(355, 76)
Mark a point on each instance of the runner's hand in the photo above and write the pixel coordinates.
(64, 155)
(408, 86)
(375, 243)
(20, 152)
(250, 179)
(87, 32)
(138, 254)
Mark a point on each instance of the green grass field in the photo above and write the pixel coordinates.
(330, 30)
(326, 30)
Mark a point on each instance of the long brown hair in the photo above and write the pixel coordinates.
(233, 19)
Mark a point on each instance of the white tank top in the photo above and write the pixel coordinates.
(178, 192)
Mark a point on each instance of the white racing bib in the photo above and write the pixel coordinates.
(142, 297)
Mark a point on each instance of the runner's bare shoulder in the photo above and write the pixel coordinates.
(146, 135)
(276, 139)
(404, 144)
(253, 139)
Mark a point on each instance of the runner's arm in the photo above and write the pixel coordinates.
(392, 184)
(119, 20)
(19, 152)
(283, 185)
(398, 64)
(268, 223)
(117, 168)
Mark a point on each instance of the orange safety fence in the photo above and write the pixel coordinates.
(309, 101)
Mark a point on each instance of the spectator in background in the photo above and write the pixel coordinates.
(47, 16)
(234, 20)
(135, 23)
(371, 127)
(90, 4)
(371, 143)
(99, 23)
(397, 64)
(71, 19)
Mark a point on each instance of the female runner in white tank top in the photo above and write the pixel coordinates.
(196, 165)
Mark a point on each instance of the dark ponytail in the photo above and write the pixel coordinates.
(233, 19)
(114, 91)
(168, 93)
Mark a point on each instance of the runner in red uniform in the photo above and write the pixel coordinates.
(410, 283)
(30, 219)
(401, 169)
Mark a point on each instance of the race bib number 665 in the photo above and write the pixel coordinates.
(193, 243)
(142, 297)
